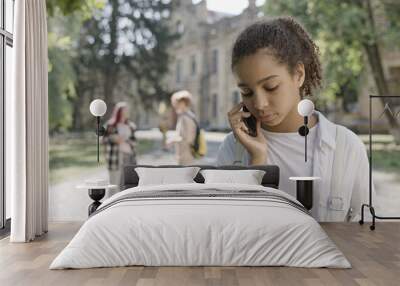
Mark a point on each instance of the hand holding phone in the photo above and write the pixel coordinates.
(251, 123)
(247, 129)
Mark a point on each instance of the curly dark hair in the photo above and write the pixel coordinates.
(289, 43)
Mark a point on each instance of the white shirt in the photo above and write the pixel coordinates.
(286, 150)
(339, 192)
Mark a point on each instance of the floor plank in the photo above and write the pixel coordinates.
(374, 255)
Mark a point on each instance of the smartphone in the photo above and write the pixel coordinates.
(251, 123)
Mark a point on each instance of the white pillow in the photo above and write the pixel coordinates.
(248, 177)
(163, 176)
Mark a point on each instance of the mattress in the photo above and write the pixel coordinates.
(201, 225)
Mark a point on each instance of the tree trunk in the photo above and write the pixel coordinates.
(76, 113)
(375, 62)
(110, 69)
(108, 90)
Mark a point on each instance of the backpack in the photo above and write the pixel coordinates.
(199, 146)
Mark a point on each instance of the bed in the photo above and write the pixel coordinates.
(201, 224)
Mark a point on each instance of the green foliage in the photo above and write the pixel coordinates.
(126, 45)
(67, 7)
(105, 49)
(62, 75)
(391, 34)
(342, 29)
(61, 84)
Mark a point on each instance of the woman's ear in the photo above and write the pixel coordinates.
(300, 74)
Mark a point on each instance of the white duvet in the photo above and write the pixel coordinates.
(200, 231)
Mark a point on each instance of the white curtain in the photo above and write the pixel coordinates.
(27, 124)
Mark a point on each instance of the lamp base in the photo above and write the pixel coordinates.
(304, 190)
(96, 195)
(304, 193)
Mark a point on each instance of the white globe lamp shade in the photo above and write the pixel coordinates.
(98, 107)
(305, 107)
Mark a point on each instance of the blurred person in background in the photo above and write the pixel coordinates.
(120, 143)
(164, 123)
(186, 126)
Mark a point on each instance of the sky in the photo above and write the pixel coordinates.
(228, 6)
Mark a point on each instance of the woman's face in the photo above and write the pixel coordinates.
(181, 106)
(268, 90)
(124, 113)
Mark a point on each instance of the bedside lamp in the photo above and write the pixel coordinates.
(98, 108)
(305, 108)
(304, 185)
(97, 187)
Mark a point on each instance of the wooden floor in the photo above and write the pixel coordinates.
(375, 257)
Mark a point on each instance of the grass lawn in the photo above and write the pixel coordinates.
(74, 155)
(70, 156)
(386, 160)
(385, 153)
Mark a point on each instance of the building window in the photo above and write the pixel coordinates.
(6, 65)
(193, 64)
(180, 28)
(214, 61)
(215, 105)
(178, 71)
(236, 97)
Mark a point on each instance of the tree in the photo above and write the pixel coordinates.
(133, 37)
(116, 42)
(68, 7)
(61, 84)
(349, 30)
(63, 28)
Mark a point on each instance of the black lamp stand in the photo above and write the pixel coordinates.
(304, 187)
(303, 131)
(100, 131)
(370, 205)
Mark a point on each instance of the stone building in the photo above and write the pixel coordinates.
(201, 64)
(201, 58)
